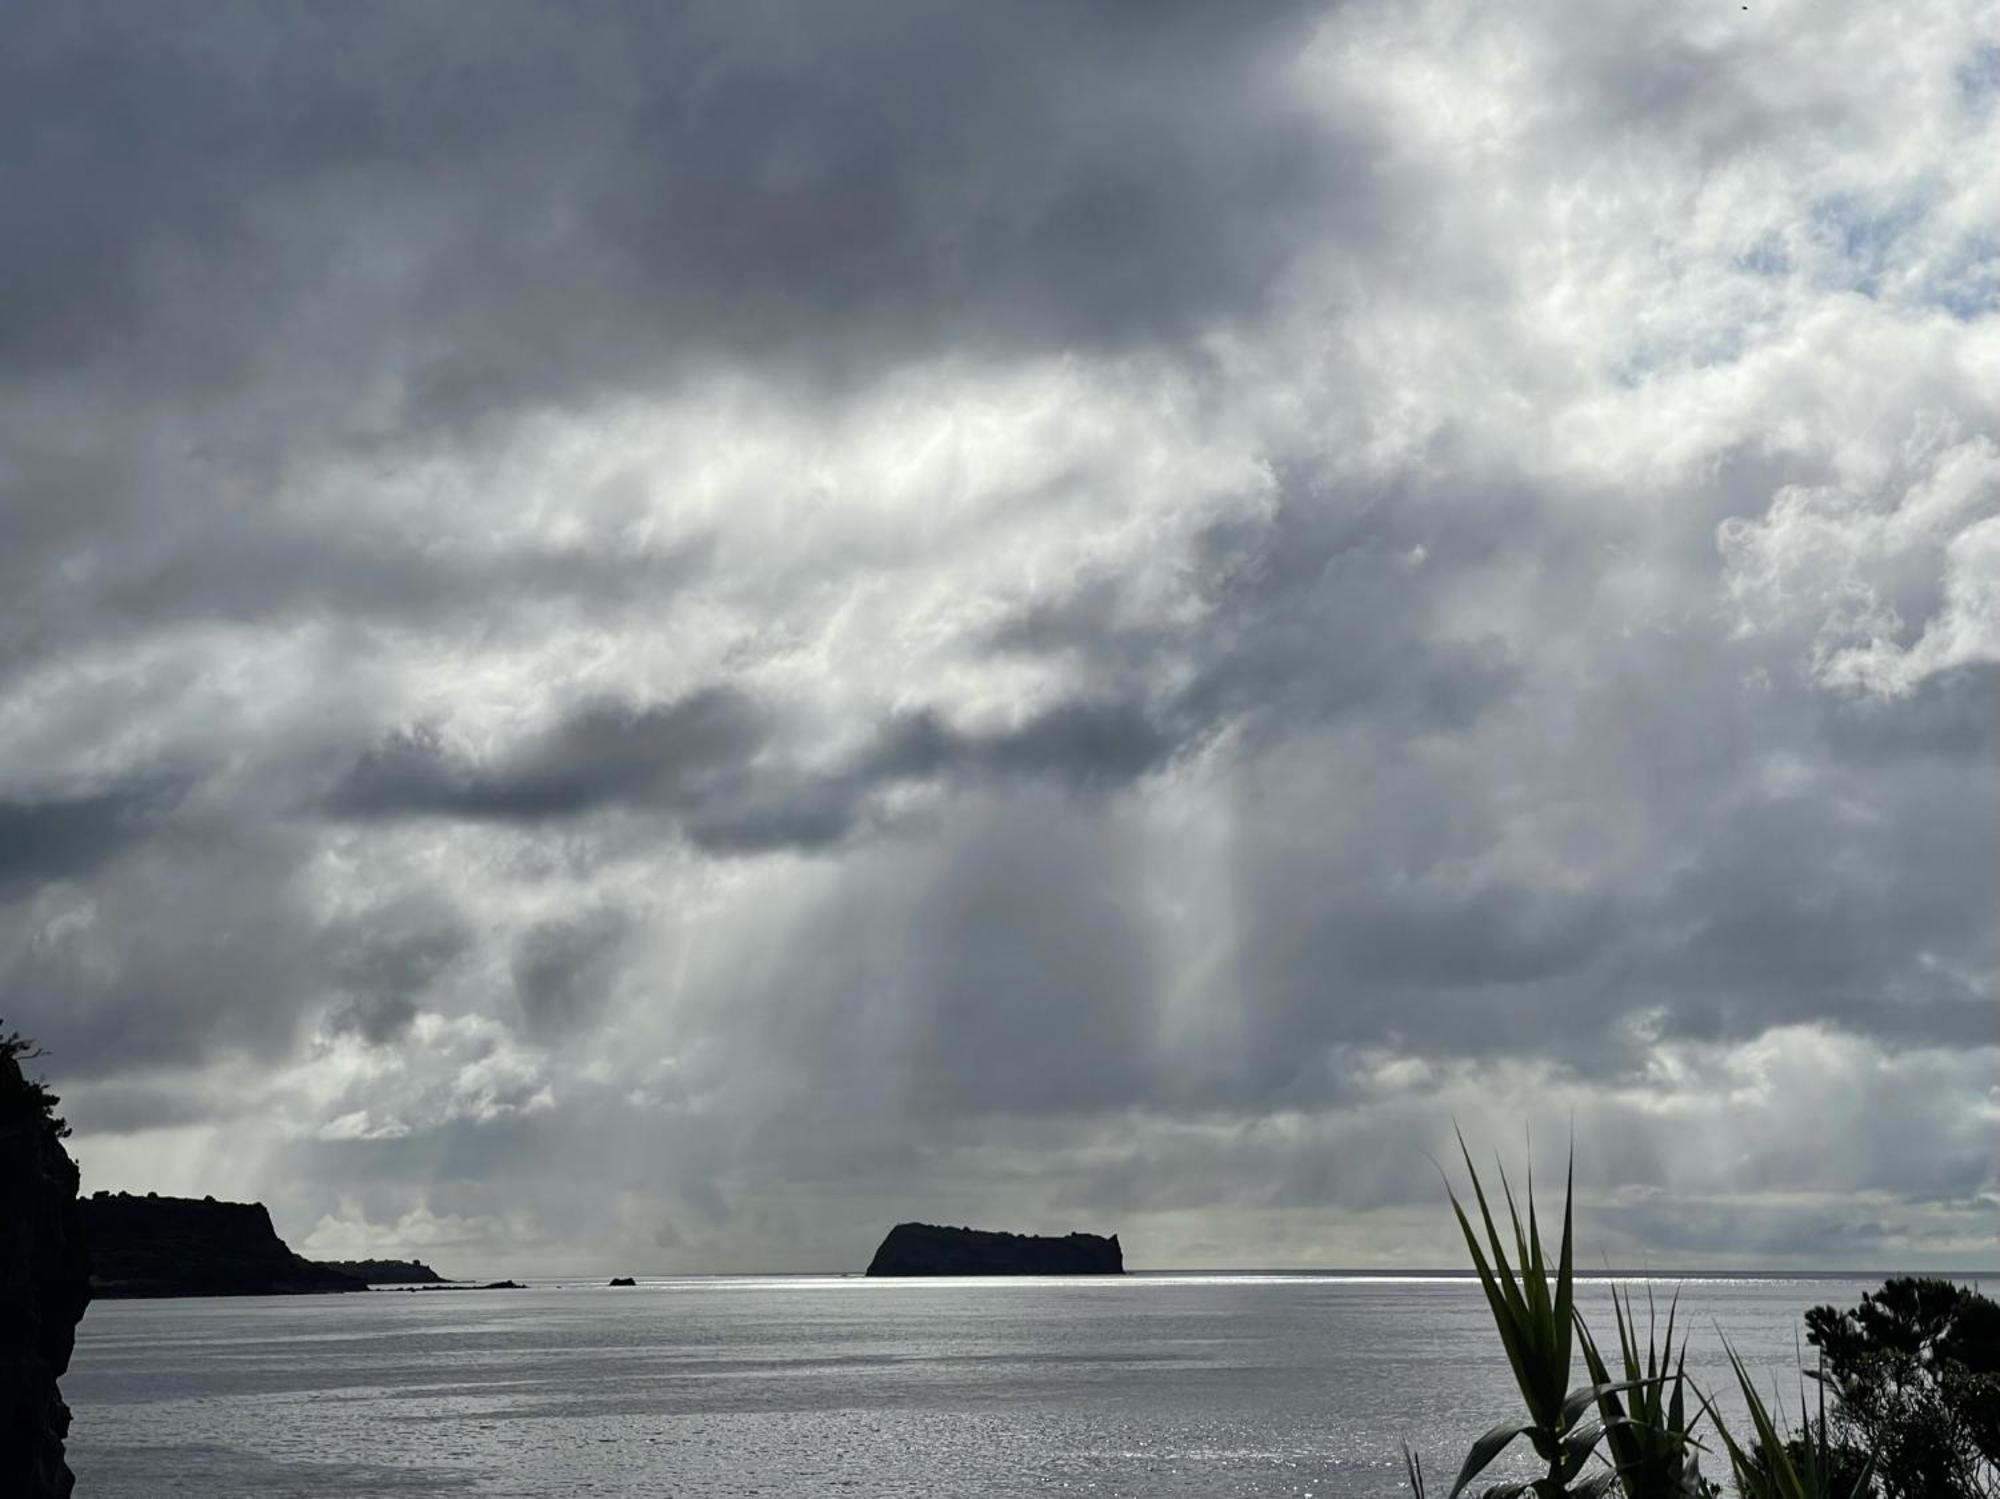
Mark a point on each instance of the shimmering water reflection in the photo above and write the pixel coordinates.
(1213, 1385)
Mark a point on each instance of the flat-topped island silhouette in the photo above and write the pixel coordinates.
(928, 1249)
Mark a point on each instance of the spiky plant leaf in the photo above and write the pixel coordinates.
(1766, 1470)
(1482, 1452)
(1784, 1479)
(1533, 1312)
(1651, 1440)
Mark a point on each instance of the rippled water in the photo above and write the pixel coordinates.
(1148, 1385)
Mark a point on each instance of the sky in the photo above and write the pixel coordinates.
(650, 638)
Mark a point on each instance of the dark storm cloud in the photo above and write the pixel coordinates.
(1752, 907)
(386, 959)
(59, 838)
(202, 939)
(606, 194)
(1430, 966)
(676, 756)
(1954, 714)
(198, 943)
(1030, 989)
(1082, 744)
(279, 231)
(282, 573)
(562, 970)
(1801, 908)
(698, 760)
(1223, 584)
(1738, 1231)
(1319, 612)
(1090, 746)
(1318, 609)
(1439, 939)
(1000, 969)
(1749, 908)
(122, 1108)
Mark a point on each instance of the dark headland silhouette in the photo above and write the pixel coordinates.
(927, 1249)
(186, 1246)
(44, 1282)
(385, 1272)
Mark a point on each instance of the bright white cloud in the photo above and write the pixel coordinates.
(1114, 627)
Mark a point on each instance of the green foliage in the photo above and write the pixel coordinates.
(1777, 1466)
(21, 1097)
(1534, 1311)
(1915, 1369)
(1852, 1469)
(1647, 1425)
(1643, 1412)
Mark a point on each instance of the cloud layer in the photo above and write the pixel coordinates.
(670, 636)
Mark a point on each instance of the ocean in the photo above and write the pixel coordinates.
(1148, 1385)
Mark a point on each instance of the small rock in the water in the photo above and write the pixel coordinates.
(623, 1280)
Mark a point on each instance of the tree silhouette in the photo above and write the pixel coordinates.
(1916, 1369)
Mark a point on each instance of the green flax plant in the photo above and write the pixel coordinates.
(1535, 1315)
(1647, 1425)
(1643, 1418)
(1808, 1467)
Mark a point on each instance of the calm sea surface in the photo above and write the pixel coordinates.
(1149, 1385)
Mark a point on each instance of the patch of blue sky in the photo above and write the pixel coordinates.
(1768, 257)
(1965, 283)
(1979, 76)
(1643, 361)
(1864, 242)
(1636, 367)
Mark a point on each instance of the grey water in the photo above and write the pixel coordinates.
(1212, 1385)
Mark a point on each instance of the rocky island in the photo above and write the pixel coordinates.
(44, 1281)
(185, 1246)
(927, 1249)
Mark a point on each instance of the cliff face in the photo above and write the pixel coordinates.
(926, 1249)
(181, 1246)
(44, 1285)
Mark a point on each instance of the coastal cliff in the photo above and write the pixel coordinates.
(183, 1246)
(927, 1249)
(384, 1272)
(44, 1283)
